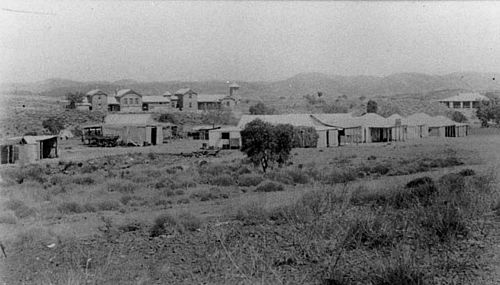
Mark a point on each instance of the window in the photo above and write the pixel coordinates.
(124, 101)
(173, 104)
(467, 104)
(456, 105)
(190, 105)
(228, 104)
(137, 101)
(225, 136)
(475, 104)
(190, 96)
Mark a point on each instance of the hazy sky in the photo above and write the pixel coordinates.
(158, 41)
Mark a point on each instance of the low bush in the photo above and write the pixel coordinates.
(452, 182)
(83, 179)
(183, 201)
(125, 199)
(339, 176)
(87, 207)
(204, 195)
(166, 223)
(444, 222)
(467, 172)
(269, 186)
(251, 214)
(399, 272)
(163, 202)
(21, 210)
(57, 179)
(7, 218)
(249, 180)
(108, 205)
(20, 175)
(223, 180)
(121, 186)
(70, 208)
(371, 233)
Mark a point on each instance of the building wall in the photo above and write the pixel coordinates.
(333, 137)
(208, 106)
(215, 138)
(227, 103)
(188, 102)
(159, 107)
(99, 102)
(130, 103)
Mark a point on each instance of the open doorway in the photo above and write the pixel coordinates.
(154, 132)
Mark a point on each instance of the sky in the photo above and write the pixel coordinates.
(246, 41)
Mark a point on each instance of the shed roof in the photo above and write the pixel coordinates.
(471, 96)
(343, 120)
(112, 100)
(297, 120)
(130, 119)
(123, 92)
(211, 97)
(35, 139)
(96, 92)
(155, 99)
(183, 91)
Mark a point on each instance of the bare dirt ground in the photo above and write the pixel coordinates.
(169, 258)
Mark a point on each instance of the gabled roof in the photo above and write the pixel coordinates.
(466, 97)
(211, 97)
(342, 120)
(167, 93)
(96, 92)
(374, 120)
(35, 139)
(183, 91)
(297, 120)
(123, 92)
(112, 100)
(130, 119)
(155, 99)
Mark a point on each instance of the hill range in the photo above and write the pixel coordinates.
(399, 85)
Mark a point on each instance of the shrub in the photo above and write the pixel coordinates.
(269, 186)
(400, 272)
(423, 188)
(108, 205)
(162, 202)
(452, 182)
(87, 207)
(204, 195)
(298, 176)
(7, 218)
(83, 180)
(57, 179)
(165, 223)
(20, 175)
(251, 214)
(70, 208)
(372, 233)
(223, 180)
(183, 201)
(21, 210)
(121, 186)
(444, 222)
(249, 180)
(467, 172)
(381, 169)
(125, 199)
(339, 176)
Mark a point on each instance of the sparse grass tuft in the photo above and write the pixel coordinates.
(121, 186)
(223, 180)
(21, 210)
(85, 179)
(249, 179)
(108, 205)
(168, 223)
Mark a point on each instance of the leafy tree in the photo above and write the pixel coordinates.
(458, 117)
(371, 107)
(261, 109)
(74, 98)
(265, 144)
(334, 108)
(53, 125)
(483, 113)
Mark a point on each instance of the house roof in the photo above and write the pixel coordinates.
(35, 139)
(167, 93)
(123, 92)
(234, 85)
(155, 99)
(130, 119)
(419, 119)
(211, 97)
(297, 120)
(96, 92)
(205, 127)
(226, 129)
(374, 120)
(183, 91)
(343, 120)
(112, 100)
(472, 96)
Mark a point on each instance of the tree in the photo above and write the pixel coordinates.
(53, 125)
(458, 117)
(265, 144)
(261, 109)
(371, 107)
(74, 98)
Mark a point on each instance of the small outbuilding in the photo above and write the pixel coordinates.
(135, 129)
(28, 149)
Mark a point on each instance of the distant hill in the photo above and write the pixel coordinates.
(332, 86)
